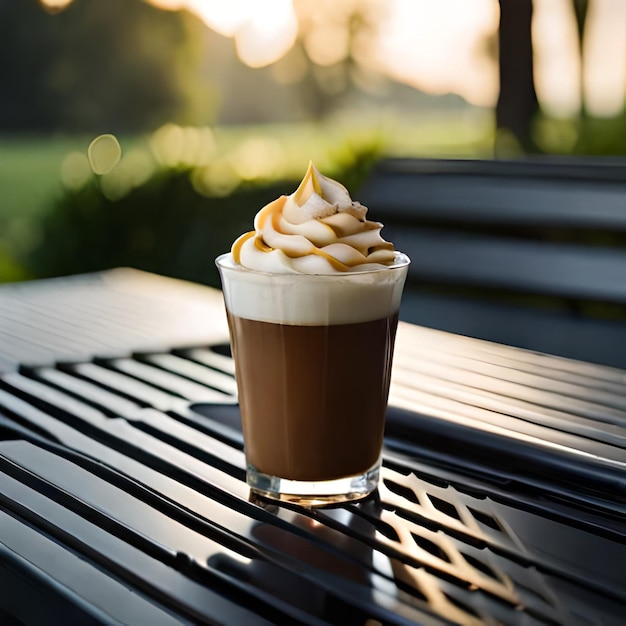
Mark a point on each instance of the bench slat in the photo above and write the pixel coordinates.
(565, 270)
(476, 200)
(501, 231)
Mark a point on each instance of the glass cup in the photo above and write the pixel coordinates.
(313, 362)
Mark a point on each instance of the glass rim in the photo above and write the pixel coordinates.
(226, 261)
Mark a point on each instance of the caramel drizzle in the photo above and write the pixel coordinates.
(268, 210)
(310, 176)
(272, 211)
(236, 248)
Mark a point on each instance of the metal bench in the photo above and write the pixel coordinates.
(527, 253)
(122, 493)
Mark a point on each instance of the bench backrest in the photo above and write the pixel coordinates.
(530, 253)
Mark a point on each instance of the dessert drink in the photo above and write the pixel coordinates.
(319, 421)
(312, 297)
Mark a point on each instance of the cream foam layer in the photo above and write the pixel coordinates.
(316, 230)
(313, 300)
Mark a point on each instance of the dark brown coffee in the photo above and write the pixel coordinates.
(313, 398)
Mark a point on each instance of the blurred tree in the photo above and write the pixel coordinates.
(332, 50)
(120, 65)
(517, 101)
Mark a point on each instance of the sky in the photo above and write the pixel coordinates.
(439, 47)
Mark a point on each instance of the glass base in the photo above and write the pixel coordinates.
(314, 493)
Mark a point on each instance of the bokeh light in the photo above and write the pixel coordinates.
(174, 146)
(52, 6)
(258, 158)
(76, 171)
(104, 153)
(133, 170)
(217, 179)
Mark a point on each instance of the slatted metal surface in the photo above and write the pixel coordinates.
(122, 493)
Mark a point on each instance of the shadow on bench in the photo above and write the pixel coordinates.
(529, 253)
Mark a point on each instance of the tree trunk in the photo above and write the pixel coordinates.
(580, 13)
(517, 102)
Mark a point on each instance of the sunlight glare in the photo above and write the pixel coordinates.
(556, 60)
(263, 31)
(268, 32)
(224, 18)
(53, 6)
(327, 46)
(435, 46)
(604, 82)
(439, 47)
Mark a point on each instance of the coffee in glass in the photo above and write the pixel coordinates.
(313, 344)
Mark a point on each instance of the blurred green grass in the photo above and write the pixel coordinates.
(56, 217)
(29, 172)
(30, 166)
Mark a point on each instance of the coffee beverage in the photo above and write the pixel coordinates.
(313, 398)
(312, 296)
(313, 362)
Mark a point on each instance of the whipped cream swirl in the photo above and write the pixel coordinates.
(316, 230)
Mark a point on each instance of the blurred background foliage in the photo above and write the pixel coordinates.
(175, 202)
(218, 108)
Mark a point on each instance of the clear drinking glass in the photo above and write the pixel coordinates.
(313, 361)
